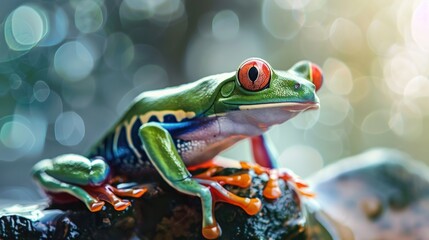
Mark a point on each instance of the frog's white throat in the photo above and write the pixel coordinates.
(255, 119)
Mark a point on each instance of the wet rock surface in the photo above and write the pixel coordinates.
(380, 194)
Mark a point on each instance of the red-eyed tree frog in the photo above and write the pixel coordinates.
(178, 129)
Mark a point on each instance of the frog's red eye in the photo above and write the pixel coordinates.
(316, 76)
(254, 74)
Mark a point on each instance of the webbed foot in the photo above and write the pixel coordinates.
(108, 193)
(272, 189)
(95, 205)
(250, 205)
(209, 178)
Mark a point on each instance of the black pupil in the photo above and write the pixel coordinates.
(253, 73)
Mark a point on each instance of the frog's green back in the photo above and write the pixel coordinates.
(196, 97)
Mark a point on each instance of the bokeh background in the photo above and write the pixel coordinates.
(69, 69)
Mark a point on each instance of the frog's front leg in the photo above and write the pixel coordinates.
(83, 179)
(163, 154)
(264, 156)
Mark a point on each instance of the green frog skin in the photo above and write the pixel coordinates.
(178, 129)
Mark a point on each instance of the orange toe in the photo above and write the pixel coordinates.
(96, 206)
(272, 192)
(254, 206)
(121, 205)
(138, 192)
(211, 232)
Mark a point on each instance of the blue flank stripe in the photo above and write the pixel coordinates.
(181, 127)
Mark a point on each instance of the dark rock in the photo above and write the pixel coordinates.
(162, 213)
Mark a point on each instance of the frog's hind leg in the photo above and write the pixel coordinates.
(103, 191)
(84, 179)
(51, 184)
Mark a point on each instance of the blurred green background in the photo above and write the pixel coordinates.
(68, 69)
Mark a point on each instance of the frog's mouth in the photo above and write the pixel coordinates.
(289, 106)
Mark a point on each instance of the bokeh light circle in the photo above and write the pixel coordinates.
(398, 70)
(15, 81)
(225, 25)
(275, 19)
(15, 135)
(346, 36)
(73, 61)
(161, 10)
(340, 80)
(119, 51)
(417, 93)
(292, 4)
(376, 122)
(69, 129)
(88, 16)
(406, 120)
(25, 27)
(41, 91)
(419, 25)
(380, 36)
(135, 10)
(334, 111)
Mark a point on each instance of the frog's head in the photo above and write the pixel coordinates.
(263, 97)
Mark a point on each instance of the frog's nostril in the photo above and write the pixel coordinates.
(297, 86)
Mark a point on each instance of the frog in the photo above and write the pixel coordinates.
(174, 131)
